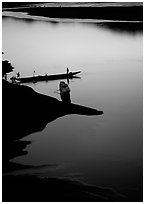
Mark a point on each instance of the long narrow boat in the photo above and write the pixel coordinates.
(46, 77)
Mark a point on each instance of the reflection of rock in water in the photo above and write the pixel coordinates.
(34, 189)
(12, 149)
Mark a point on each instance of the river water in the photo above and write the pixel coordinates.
(105, 150)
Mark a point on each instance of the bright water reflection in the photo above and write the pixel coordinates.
(111, 80)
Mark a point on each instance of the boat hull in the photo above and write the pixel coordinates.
(48, 77)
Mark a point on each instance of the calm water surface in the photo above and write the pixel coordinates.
(107, 149)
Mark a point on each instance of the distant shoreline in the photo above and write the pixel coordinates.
(126, 12)
(22, 15)
(116, 25)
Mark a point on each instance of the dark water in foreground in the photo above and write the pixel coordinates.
(104, 150)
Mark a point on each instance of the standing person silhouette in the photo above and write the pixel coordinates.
(67, 74)
(18, 74)
(67, 71)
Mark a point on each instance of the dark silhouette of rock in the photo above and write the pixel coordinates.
(23, 113)
(26, 111)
